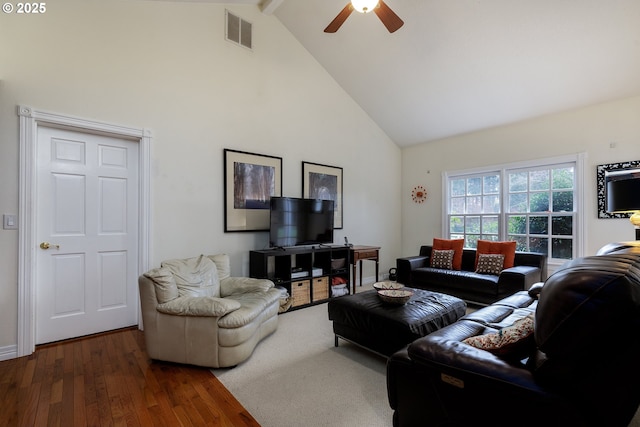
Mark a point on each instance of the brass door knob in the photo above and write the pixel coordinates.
(47, 245)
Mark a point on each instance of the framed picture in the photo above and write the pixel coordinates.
(323, 182)
(602, 171)
(250, 180)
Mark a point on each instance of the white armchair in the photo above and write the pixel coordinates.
(194, 312)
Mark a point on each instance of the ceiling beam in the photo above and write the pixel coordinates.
(269, 6)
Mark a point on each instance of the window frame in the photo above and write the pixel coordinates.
(579, 238)
(482, 234)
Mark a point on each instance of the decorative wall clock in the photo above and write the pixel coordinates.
(419, 194)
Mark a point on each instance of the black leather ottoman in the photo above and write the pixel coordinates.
(385, 328)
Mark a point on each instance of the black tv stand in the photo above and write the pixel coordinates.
(324, 263)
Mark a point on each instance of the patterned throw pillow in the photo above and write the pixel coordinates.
(511, 342)
(442, 259)
(490, 263)
(456, 244)
(508, 249)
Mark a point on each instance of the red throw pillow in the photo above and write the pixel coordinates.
(455, 244)
(508, 249)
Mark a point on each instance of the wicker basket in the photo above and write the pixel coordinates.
(395, 296)
(320, 288)
(387, 285)
(301, 292)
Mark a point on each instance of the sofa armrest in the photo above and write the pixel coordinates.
(242, 285)
(463, 361)
(518, 278)
(405, 266)
(429, 383)
(198, 306)
(535, 289)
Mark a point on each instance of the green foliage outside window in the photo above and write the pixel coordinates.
(537, 200)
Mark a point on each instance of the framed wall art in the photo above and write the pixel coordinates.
(323, 182)
(250, 180)
(602, 171)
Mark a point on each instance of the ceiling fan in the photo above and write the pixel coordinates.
(384, 12)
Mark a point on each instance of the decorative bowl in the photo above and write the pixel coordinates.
(387, 285)
(395, 296)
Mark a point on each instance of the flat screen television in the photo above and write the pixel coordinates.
(295, 222)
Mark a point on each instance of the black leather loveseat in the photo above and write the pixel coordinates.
(579, 367)
(415, 271)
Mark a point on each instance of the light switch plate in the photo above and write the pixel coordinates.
(10, 222)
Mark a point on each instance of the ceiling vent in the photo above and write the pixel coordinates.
(238, 30)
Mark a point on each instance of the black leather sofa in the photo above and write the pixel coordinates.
(581, 369)
(415, 271)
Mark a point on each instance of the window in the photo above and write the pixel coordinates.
(474, 208)
(533, 204)
(540, 210)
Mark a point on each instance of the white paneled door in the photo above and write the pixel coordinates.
(87, 226)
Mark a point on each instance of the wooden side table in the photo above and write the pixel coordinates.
(360, 253)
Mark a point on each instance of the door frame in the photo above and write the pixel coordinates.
(30, 120)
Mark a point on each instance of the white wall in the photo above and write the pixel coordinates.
(165, 66)
(588, 130)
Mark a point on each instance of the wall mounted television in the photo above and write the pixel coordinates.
(295, 222)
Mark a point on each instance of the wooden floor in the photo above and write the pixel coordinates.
(108, 380)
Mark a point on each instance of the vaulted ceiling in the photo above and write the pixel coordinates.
(458, 66)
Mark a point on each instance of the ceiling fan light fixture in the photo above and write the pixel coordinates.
(364, 6)
(388, 17)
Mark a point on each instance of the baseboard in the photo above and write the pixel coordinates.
(8, 352)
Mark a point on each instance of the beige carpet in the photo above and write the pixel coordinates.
(296, 377)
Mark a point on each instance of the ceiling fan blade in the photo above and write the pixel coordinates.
(388, 17)
(339, 20)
